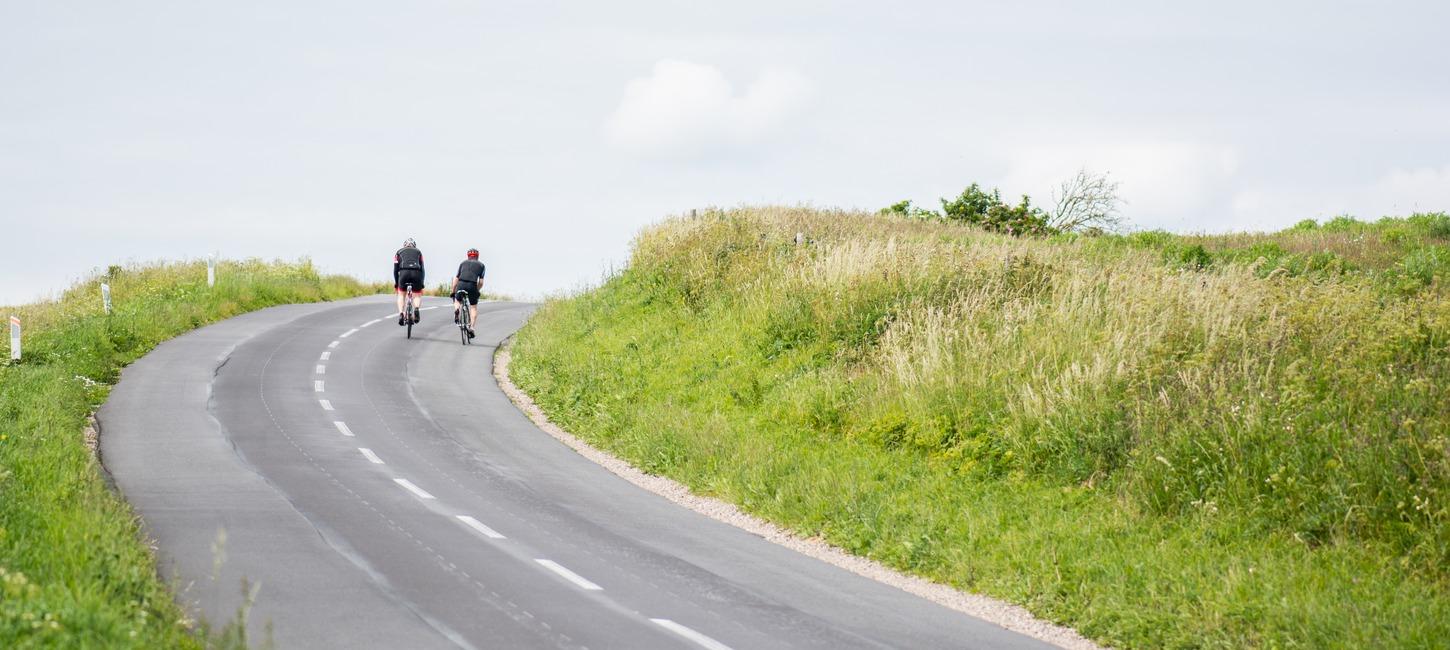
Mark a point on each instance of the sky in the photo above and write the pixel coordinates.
(547, 134)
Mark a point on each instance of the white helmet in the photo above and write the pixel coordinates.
(409, 243)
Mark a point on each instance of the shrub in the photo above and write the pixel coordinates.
(987, 210)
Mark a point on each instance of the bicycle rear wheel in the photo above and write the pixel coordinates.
(410, 320)
(463, 324)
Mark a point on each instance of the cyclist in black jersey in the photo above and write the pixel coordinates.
(408, 269)
(470, 280)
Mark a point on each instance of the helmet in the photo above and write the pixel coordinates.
(472, 253)
(409, 243)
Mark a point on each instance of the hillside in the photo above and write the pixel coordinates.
(75, 571)
(1163, 441)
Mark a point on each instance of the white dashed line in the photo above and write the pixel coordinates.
(333, 344)
(427, 308)
(408, 485)
(702, 640)
(348, 333)
(326, 354)
(317, 386)
(478, 526)
(569, 575)
(368, 453)
(326, 405)
(342, 428)
(321, 369)
(374, 321)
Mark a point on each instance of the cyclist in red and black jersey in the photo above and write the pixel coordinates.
(408, 270)
(470, 280)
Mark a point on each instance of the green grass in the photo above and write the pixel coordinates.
(1160, 440)
(74, 571)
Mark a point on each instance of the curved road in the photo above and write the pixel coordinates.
(382, 492)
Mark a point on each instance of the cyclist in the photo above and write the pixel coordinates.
(408, 269)
(469, 279)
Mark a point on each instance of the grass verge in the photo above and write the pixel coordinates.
(74, 571)
(1161, 441)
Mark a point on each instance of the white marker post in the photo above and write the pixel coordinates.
(211, 270)
(14, 338)
(106, 297)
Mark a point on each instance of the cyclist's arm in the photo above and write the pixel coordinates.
(396, 268)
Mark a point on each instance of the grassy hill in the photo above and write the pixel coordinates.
(1163, 441)
(74, 570)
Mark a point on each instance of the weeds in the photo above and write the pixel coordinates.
(1161, 440)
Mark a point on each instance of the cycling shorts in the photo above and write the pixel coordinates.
(409, 276)
(471, 288)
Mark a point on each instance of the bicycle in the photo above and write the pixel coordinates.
(409, 311)
(461, 297)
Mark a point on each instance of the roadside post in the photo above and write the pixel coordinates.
(800, 238)
(106, 297)
(211, 270)
(14, 338)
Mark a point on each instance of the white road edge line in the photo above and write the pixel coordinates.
(372, 457)
(333, 344)
(408, 485)
(427, 308)
(317, 386)
(326, 405)
(478, 526)
(326, 354)
(321, 369)
(342, 428)
(348, 333)
(374, 321)
(575, 578)
(702, 640)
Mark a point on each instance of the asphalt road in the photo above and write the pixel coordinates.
(378, 492)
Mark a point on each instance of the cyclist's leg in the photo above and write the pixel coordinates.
(472, 309)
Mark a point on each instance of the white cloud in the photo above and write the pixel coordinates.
(686, 109)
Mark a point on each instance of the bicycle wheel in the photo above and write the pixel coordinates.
(463, 324)
(410, 319)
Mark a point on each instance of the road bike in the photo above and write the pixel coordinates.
(410, 311)
(464, 324)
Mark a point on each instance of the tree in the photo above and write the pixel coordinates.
(1088, 201)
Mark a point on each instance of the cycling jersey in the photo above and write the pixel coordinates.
(470, 271)
(408, 268)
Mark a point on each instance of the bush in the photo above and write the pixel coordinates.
(987, 210)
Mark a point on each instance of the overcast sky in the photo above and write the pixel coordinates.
(547, 134)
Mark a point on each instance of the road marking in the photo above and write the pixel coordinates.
(569, 575)
(321, 369)
(368, 453)
(342, 428)
(326, 354)
(348, 333)
(702, 640)
(374, 321)
(408, 485)
(317, 386)
(427, 308)
(326, 405)
(333, 344)
(478, 526)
